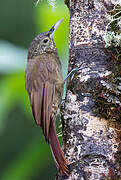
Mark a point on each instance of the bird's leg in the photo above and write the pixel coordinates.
(72, 71)
(62, 104)
(77, 69)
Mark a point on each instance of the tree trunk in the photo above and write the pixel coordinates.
(92, 113)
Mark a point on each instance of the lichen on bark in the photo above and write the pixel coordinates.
(91, 118)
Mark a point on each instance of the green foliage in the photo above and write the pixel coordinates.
(18, 23)
(10, 88)
(31, 161)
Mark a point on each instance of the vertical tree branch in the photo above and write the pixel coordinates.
(91, 141)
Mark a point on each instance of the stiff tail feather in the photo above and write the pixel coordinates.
(57, 153)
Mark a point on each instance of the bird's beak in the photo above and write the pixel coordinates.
(54, 27)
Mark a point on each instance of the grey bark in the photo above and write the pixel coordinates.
(91, 141)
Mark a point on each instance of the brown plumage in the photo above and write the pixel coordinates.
(44, 84)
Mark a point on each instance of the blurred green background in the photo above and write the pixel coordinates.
(24, 155)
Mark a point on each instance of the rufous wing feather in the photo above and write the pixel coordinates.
(36, 104)
(49, 129)
(42, 101)
(47, 103)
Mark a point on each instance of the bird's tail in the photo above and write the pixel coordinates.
(57, 153)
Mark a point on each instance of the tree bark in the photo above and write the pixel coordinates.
(92, 113)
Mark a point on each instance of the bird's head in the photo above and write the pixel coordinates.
(43, 42)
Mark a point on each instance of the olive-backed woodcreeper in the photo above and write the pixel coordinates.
(44, 84)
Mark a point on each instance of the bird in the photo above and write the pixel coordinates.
(44, 84)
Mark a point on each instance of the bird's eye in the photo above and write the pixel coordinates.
(45, 40)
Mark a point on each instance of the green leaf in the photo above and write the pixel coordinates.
(31, 161)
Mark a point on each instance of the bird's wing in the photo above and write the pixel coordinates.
(41, 88)
(40, 84)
